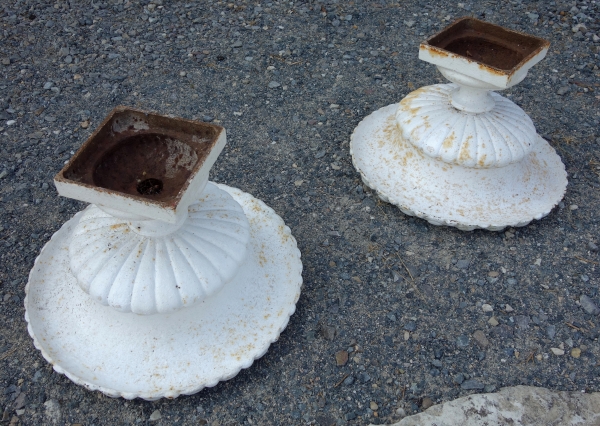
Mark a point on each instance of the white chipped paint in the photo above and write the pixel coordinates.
(165, 355)
(494, 138)
(150, 267)
(458, 154)
(447, 194)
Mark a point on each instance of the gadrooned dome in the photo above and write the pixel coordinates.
(147, 275)
(495, 138)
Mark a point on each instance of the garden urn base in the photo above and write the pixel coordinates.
(449, 194)
(169, 354)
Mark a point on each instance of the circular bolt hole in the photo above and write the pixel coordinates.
(150, 186)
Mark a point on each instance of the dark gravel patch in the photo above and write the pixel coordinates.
(290, 81)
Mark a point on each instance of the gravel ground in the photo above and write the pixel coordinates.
(415, 313)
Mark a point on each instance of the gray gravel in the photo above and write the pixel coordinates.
(290, 81)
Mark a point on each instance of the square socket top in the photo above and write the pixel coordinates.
(484, 51)
(143, 164)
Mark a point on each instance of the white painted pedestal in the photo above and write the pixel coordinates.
(459, 154)
(451, 195)
(165, 355)
(166, 283)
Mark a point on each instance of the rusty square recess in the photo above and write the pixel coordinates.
(142, 155)
(487, 44)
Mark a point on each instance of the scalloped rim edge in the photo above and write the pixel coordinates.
(192, 390)
(437, 221)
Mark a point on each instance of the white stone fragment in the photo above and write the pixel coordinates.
(487, 308)
(519, 405)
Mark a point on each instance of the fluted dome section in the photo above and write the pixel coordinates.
(495, 138)
(147, 275)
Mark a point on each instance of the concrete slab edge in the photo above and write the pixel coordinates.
(518, 405)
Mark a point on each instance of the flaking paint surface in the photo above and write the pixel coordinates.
(437, 191)
(225, 333)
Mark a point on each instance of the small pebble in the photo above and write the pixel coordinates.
(481, 339)
(463, 263)
(155, 416)
(427, 402)
(489, 388)
(588, 305)
(575, 352)
(557, 351)
(341, 358)
(350, 416)
(462, 341)
(459, 378)
(522, 321)
(329, 332)
(472, 385)
(487, 308)
(410, 326)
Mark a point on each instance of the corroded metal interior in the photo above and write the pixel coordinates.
(488, 44)
(150, 164)
(142, 154)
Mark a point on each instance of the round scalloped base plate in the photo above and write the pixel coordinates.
(165, 355)
(446, 194)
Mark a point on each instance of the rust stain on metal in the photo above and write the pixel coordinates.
(449, 141)
(262, 259)
(435, 51)
(391, 134)
(495, 49)
(481, 161)
(464, 154)
(492, 70)
(142, 156)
